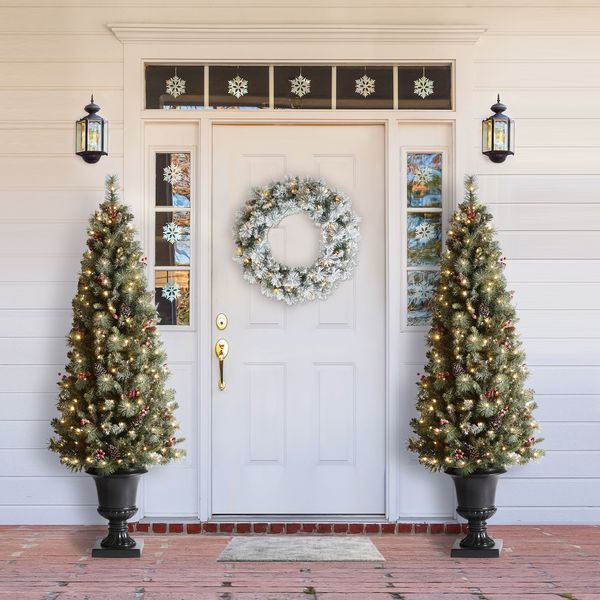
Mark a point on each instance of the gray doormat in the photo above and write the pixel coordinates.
(301, 549)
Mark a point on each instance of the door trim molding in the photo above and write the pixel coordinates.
(139, 52)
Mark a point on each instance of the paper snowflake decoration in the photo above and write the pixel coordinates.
(424, 232)
(238, 86)
(172, 174)
(422, 291)
(171, 291)
(423, 87)
(172, 232)
(175, 86)
(423, 175)
(364, 86)
(300, 86)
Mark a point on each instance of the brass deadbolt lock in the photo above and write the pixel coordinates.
(221, 321)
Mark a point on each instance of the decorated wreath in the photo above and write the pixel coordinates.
(266, 208)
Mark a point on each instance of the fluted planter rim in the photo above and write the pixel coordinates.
(455, 472)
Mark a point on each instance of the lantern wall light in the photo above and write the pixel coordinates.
(498, 134)
(91, 138)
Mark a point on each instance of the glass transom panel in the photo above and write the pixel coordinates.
(325, 87)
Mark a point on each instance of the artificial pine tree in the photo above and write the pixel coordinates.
(115, 413)
(475, 413)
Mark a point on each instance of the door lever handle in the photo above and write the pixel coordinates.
(221, 350)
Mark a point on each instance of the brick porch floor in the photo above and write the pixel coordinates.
(539, 563)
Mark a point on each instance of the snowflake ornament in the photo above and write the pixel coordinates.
(175, 86)
(172, 174)
(423, 87)
(238, 87)
(300, 86)
(364, 86)
(171, 291)
(424, 232)
(422, 291)
(423, 175)
(172, 232)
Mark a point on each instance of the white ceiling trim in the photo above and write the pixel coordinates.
(310, 34)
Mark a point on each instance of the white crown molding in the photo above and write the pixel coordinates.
(320, 34)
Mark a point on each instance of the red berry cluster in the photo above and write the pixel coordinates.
(99, 454)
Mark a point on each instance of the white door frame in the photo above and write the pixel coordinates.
(180, 44)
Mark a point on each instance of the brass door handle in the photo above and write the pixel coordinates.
(221, 350)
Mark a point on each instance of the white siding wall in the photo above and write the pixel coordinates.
(544, 58)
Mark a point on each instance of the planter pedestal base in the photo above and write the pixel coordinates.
(492, 552)
(99, 551)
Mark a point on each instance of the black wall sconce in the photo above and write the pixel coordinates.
(498, 134)
(91, 138)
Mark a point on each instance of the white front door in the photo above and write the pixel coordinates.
(300, 426)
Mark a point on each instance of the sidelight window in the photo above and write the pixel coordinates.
(172, 237)
(424, 177)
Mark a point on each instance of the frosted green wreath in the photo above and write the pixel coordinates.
(267, 206)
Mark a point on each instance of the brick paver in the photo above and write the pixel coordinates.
(539, 563)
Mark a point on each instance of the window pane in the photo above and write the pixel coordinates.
(424, 238)
(245, 86)
(425, 87)
(185, 87)
(172, 247)
(172, 297)
(424, 179)
(302, 87)
(421, 286)
(360, 87)
(173, 179)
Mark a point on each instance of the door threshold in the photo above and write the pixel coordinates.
(304, 518)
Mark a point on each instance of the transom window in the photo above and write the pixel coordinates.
(329, 87)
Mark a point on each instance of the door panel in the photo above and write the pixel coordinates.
(300, 426)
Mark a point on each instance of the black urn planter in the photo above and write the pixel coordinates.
(116, 502)
(476, 496)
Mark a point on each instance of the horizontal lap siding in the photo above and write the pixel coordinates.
(546, 204)
(47, 196)
(546, 201)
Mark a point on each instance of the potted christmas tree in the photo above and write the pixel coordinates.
(116, 417)
(475, 412)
